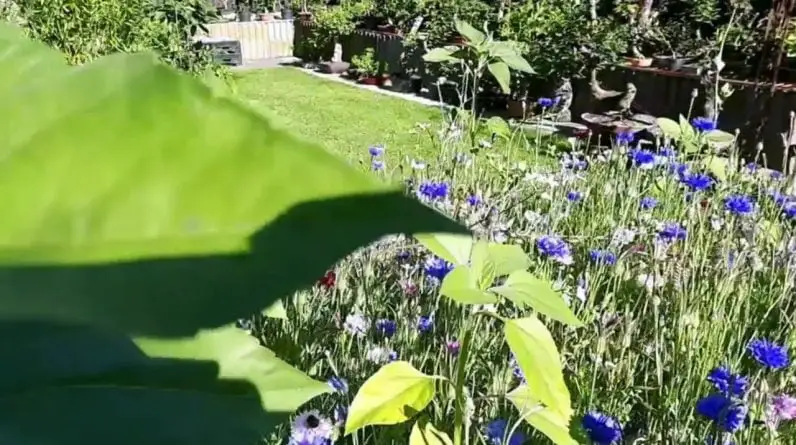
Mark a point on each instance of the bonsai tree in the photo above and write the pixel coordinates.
(334, 22)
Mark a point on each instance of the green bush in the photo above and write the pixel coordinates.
(87, 29)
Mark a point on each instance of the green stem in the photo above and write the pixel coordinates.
(461, 403)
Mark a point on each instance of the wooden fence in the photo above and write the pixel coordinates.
(258, 40)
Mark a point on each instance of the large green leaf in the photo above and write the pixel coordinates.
(525, 289)
(424, 433)
(138, 200)
(31, 60)
(73, 385)
(394, 394)
(467, 30)
(508, 258)
(444, 54)
(502, 75)
(460, 285)
(537, 355)
(550, 423)
(505, 52)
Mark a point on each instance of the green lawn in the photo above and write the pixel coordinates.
(345, 119)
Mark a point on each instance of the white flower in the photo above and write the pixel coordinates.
(310, 425)
(356, 325)
(380, 356)
(622, 237)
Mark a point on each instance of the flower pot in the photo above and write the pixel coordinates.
(389, 29)
(514, 109)
(287, 14)
(671, 63)
(244, 14)
(416, 83)
(639, 62)
(369, 80)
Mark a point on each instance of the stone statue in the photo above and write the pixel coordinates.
(337, 55)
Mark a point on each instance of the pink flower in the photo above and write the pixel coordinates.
(781, 408)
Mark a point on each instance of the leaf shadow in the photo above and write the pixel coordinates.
(81, 385)
(178, 296)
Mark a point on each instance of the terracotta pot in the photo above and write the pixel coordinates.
(514, 108)
(369, 80)
(639, 62)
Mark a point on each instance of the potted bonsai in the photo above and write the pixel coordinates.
(366, 67)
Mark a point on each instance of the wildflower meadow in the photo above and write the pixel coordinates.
(682, 281)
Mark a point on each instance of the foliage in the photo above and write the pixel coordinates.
(481, 52)
(87, 29)
(365, 63)
(560, 40)
(120, 287)
(386, 396)
(333, 22)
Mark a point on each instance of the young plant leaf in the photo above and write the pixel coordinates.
(525, 289)
(460, 286)
(670, 128)
(548, 422)
(687, 131)
(424, 433)
(67, 377)
(537, 355)
(499, 126)
(482, 268)
(453, 248)
(195, 206)
(508, 258)
(467, 31)
(502, 75)
(717, 165)
(276, 310)
(439, 55)
(394, 394)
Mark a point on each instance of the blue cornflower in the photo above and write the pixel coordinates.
(728, 414)
(437, 268)
(386, 327)
(739, 205)
(545, 102)
(769, 354)
(497, 430)
(574, 196)
(625, 137)
(643, 159)
(602, 429)
(377, 165)
(605, 257)
(425, 323)
(703, 124)
(776, 175)
(338, 384)
(434, 190)
(311, 428)
(340, 414)
(752, 167)
(781, 199)
(679, 169)
(697, 182)
(672, 232)
(554, 248)
(516, 371)
(648, 203)
(403, 256)
(728, 383)
(376, 150)
(474, 200)
(668, 152)
(789, 210)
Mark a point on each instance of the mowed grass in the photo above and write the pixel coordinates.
(344, 119)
